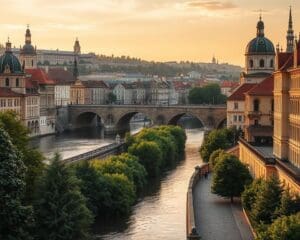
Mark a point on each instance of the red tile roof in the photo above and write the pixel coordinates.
(94, 84)
(285, 60)
(229, 84)
(61, 76)
(239, 93)
(264, 88)
(40, 76)
(6, 92)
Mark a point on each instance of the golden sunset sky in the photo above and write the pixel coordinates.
(160, 30)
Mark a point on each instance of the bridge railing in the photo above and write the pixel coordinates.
(191, 228)
(99, 152)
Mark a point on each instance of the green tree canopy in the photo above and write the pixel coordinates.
(32, 158)
(209, 94)
(15, 218)
(112, 98)
(60, 208)
(149, 155)
(283, 228)
(230, 177)
(250, 194)
(267, 201)
(215, 156)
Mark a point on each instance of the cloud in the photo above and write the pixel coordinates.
(211, 5)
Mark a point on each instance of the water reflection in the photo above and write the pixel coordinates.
(161, 213)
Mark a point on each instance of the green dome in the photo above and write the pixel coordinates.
(260, 45)
(8, 59)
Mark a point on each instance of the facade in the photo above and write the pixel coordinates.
(259, 57)
(236, 106)
(259, 108)
(46, 92)
(62, 90)
(123, 93)
(138, 93)
(77, 93)
(96, 92)
(160, 92)
(227, 87)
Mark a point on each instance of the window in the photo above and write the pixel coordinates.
(256, 105)
(262, 63)
(32, 63)
(234, 118)
(251, 63)
(240, 118)
(256, 122)
(272, 105)
(17, 82)
(7, 82)
(272, 63)
(236, 105)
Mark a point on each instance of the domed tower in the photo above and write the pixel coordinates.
(259, 56)
(28, 56)
(11, 72)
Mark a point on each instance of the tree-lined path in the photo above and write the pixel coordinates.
(216, 217)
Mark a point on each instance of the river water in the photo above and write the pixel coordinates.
(161, 213)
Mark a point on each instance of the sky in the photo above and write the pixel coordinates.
(159, 30)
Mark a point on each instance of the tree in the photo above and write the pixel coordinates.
(94, 187)
(209, 94)
(288, 205)
(214, 157)
(32, 158)
(149, 155)
(112, 98)
(15, 218)
(230, 177)
(216, 139)
(60, 208)
(250, 194)
(122, 195)
(284, 228)
(267, 201)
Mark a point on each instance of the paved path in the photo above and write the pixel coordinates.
(217, 218)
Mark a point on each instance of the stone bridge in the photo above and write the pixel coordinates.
(117, 117)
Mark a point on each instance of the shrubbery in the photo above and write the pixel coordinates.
(272, 210)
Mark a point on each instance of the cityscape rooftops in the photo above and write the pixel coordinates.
(40, 76)
(239, 93)
(264, 88)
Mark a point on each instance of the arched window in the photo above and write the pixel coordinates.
(32, 63)
(251, 63)
(7, 82)
(256, 105)
(272, 63)
(262, 63)
(272, 105)
(17, 82)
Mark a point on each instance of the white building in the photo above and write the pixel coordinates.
(124, 93)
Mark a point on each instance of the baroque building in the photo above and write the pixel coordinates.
(259, 57)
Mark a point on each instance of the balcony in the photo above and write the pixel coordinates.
(254, 114)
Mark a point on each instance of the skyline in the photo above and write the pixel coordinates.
(169, 30)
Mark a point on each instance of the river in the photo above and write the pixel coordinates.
(161, 213)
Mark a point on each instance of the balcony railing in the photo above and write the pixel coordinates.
(254, 114)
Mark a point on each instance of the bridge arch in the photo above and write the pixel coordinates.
(222, 123)
(175, 119)
(123, 122)
(88, 119)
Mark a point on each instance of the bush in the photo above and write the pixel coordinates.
(230, 177)
(283, 228)
(149, 155)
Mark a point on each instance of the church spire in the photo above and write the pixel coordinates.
(290, 34)
(260, 28)
(28, 35)
(75, 69)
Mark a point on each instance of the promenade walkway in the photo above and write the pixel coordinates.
(216, 218)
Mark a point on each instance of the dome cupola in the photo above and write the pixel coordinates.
(9, 63)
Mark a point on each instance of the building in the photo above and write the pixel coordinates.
(227, 87)
(28, 55)
(283, 158)
(16, 93)
(123, 93)
(160, 92)
(62, 90)
(139, 92)
(77, 92)
(236, 106)
(259, 57)
(96, 92)
(259, 109)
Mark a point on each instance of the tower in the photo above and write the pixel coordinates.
(75, 69)
(290, 34)
(28, 56)
(77, 48)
